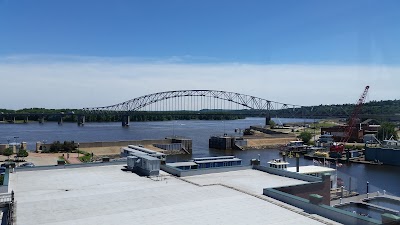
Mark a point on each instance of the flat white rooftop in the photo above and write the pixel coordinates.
(252, 181)
(311, 169)
(108, 195)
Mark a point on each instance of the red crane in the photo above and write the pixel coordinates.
(339, 148)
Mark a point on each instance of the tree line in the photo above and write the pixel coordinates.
(389, 107)
(71, 115)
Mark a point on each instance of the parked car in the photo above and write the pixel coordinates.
(8, 165)
(28, 164)
(2, 170)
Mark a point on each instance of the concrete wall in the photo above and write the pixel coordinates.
(326, 211)
(317, 186)
(170, 147)
(117, 143)
(193, 172)
(186, 143)
(171, 170)
(144, 172)
(241, 142)
(222, 143)
(285, 173)
(321, 188)
(268, 131)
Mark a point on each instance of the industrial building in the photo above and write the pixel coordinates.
(107, 195)
(366, 127)
(338, 133)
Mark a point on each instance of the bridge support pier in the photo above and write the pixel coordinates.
(13, 119)
(60, 120)
(81, 120)
(125, 121)
(41, 119)
(26, 119)
(267, 119)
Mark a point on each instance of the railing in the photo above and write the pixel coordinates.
(6, 198)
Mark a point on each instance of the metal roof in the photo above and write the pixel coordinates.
(218, 160)
(176, 164)
(145, 150)
(148, 157)
(138, 152)
(216, 157)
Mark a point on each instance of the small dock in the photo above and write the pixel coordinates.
(360, 198)
(320, 158)
(361, 160)
(337, 193)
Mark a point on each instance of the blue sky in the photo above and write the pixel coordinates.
(199, 35)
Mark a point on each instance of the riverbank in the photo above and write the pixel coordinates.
(116, 150)
(258, 137)
(267, 143)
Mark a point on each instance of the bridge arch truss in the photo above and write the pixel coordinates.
(196, 100)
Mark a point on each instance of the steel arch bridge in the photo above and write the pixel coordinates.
(196, 100)
(214, 101)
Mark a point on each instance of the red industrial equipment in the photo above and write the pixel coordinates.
(339, 148)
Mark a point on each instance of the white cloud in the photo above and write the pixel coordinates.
(83, 82)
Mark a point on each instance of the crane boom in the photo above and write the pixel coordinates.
(351, 124)
(353, 119)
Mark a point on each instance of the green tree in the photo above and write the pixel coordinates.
(8, 152)
(55, 146)
(305, 136)
(386, 131)
(272, 124)
(22, 153)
